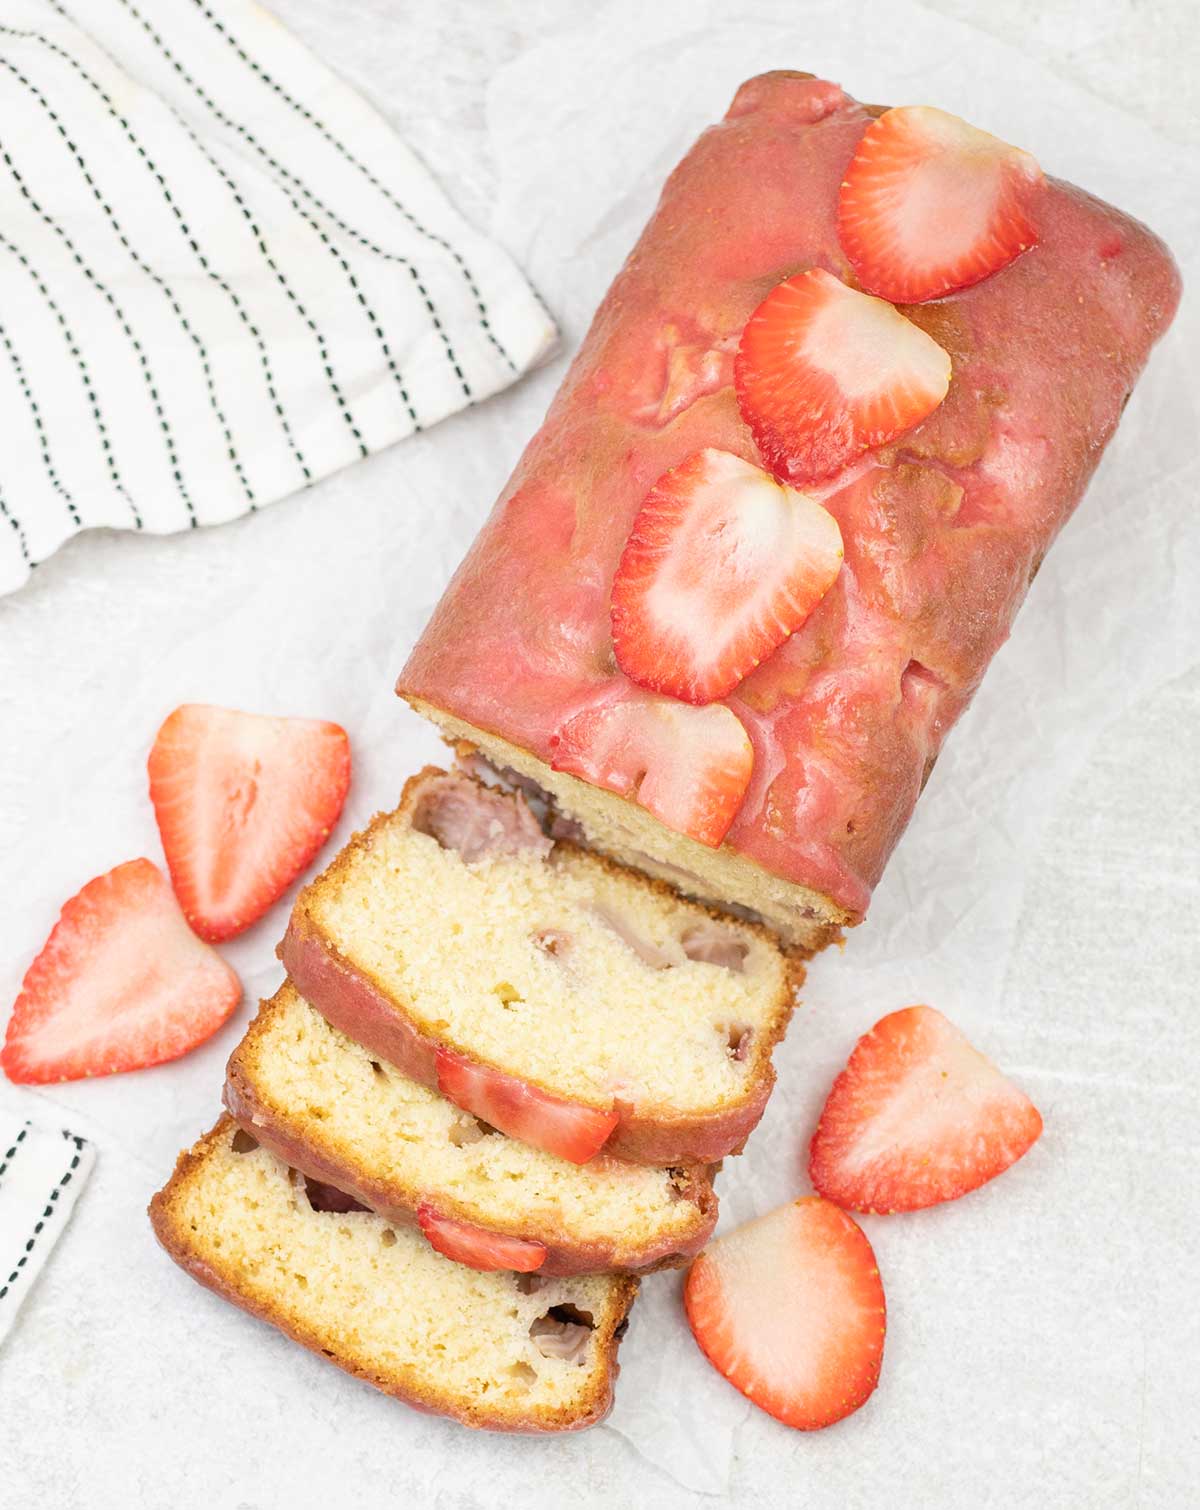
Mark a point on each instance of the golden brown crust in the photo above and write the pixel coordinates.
(184, 1248)
(306, 1145)
(364, 1008)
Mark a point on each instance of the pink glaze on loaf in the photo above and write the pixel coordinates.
(943, 531)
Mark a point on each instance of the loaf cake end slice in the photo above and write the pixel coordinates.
(500, 1351)
(324, 1104)
(566, 1000)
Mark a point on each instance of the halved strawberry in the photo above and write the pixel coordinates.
(476, 1246)
(930, 204)
(722, 564)
(122, 982)
(790, 1309)
(917, 1116)
(824, 373)
(688, 766)
(243, 804)
(570, 1130)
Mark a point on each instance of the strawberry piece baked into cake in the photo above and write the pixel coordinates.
(844, 393)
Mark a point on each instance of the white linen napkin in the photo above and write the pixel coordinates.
(42, 1171)
(222, 274)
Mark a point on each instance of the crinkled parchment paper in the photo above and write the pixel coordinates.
(1035, 1355)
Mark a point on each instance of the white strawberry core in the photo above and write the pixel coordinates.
(952, 1084)
(867, 348)
(742, 530)
(950, 200)
(789, 1303)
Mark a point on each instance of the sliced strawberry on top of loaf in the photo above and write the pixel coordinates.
(824, 373)
(930, 204)
(918, 1116)
(243, 804)
(790, 1309)
(723, 563)
(689, 767)
(122, 982)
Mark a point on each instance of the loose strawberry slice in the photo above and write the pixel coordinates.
(688, 766)
(790, 1309)
(824, 373)
(122, 982)
(917, 1116)
(243, 804)
(930, 204)
(476, 1246)
(570, 1130)
(723, 563)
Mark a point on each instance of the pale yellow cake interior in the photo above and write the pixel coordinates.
(803, 918)
(458, 945)
(378, 1295)
(363, 1113)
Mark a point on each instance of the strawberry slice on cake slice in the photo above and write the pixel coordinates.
(723, 563)
(824, 373)
(918, 1116)
(243, 804)
(569, 1129)
(476, 1247)
(688, 766)
(121, 983)
(931, 204)
(790, 1309)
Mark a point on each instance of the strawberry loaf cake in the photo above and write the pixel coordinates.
(696, 667)
(845, 391)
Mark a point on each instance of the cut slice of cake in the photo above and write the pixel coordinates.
(501, 1351)
(569, 1002)
(329, 1108)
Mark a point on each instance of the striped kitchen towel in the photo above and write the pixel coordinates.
(42, 1170)
(222, 274)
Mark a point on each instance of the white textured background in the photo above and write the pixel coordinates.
(1044, 1333)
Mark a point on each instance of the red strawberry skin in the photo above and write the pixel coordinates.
(930, 205)
(790, 1309)
(566, 1128)
(121, 983)
(243, 804)
(824, 373)
(917, 1117)
(476, 1246)
(721, 566)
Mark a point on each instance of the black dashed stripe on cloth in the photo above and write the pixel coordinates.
(36, 414)
(186, 231)
(326, 360)
(107, 294)
(22, 543)
(139, 261)
(74, 348)
(48, 1212)
(372, 318)
(370, 177)
(291, 178)
(14, 1150)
